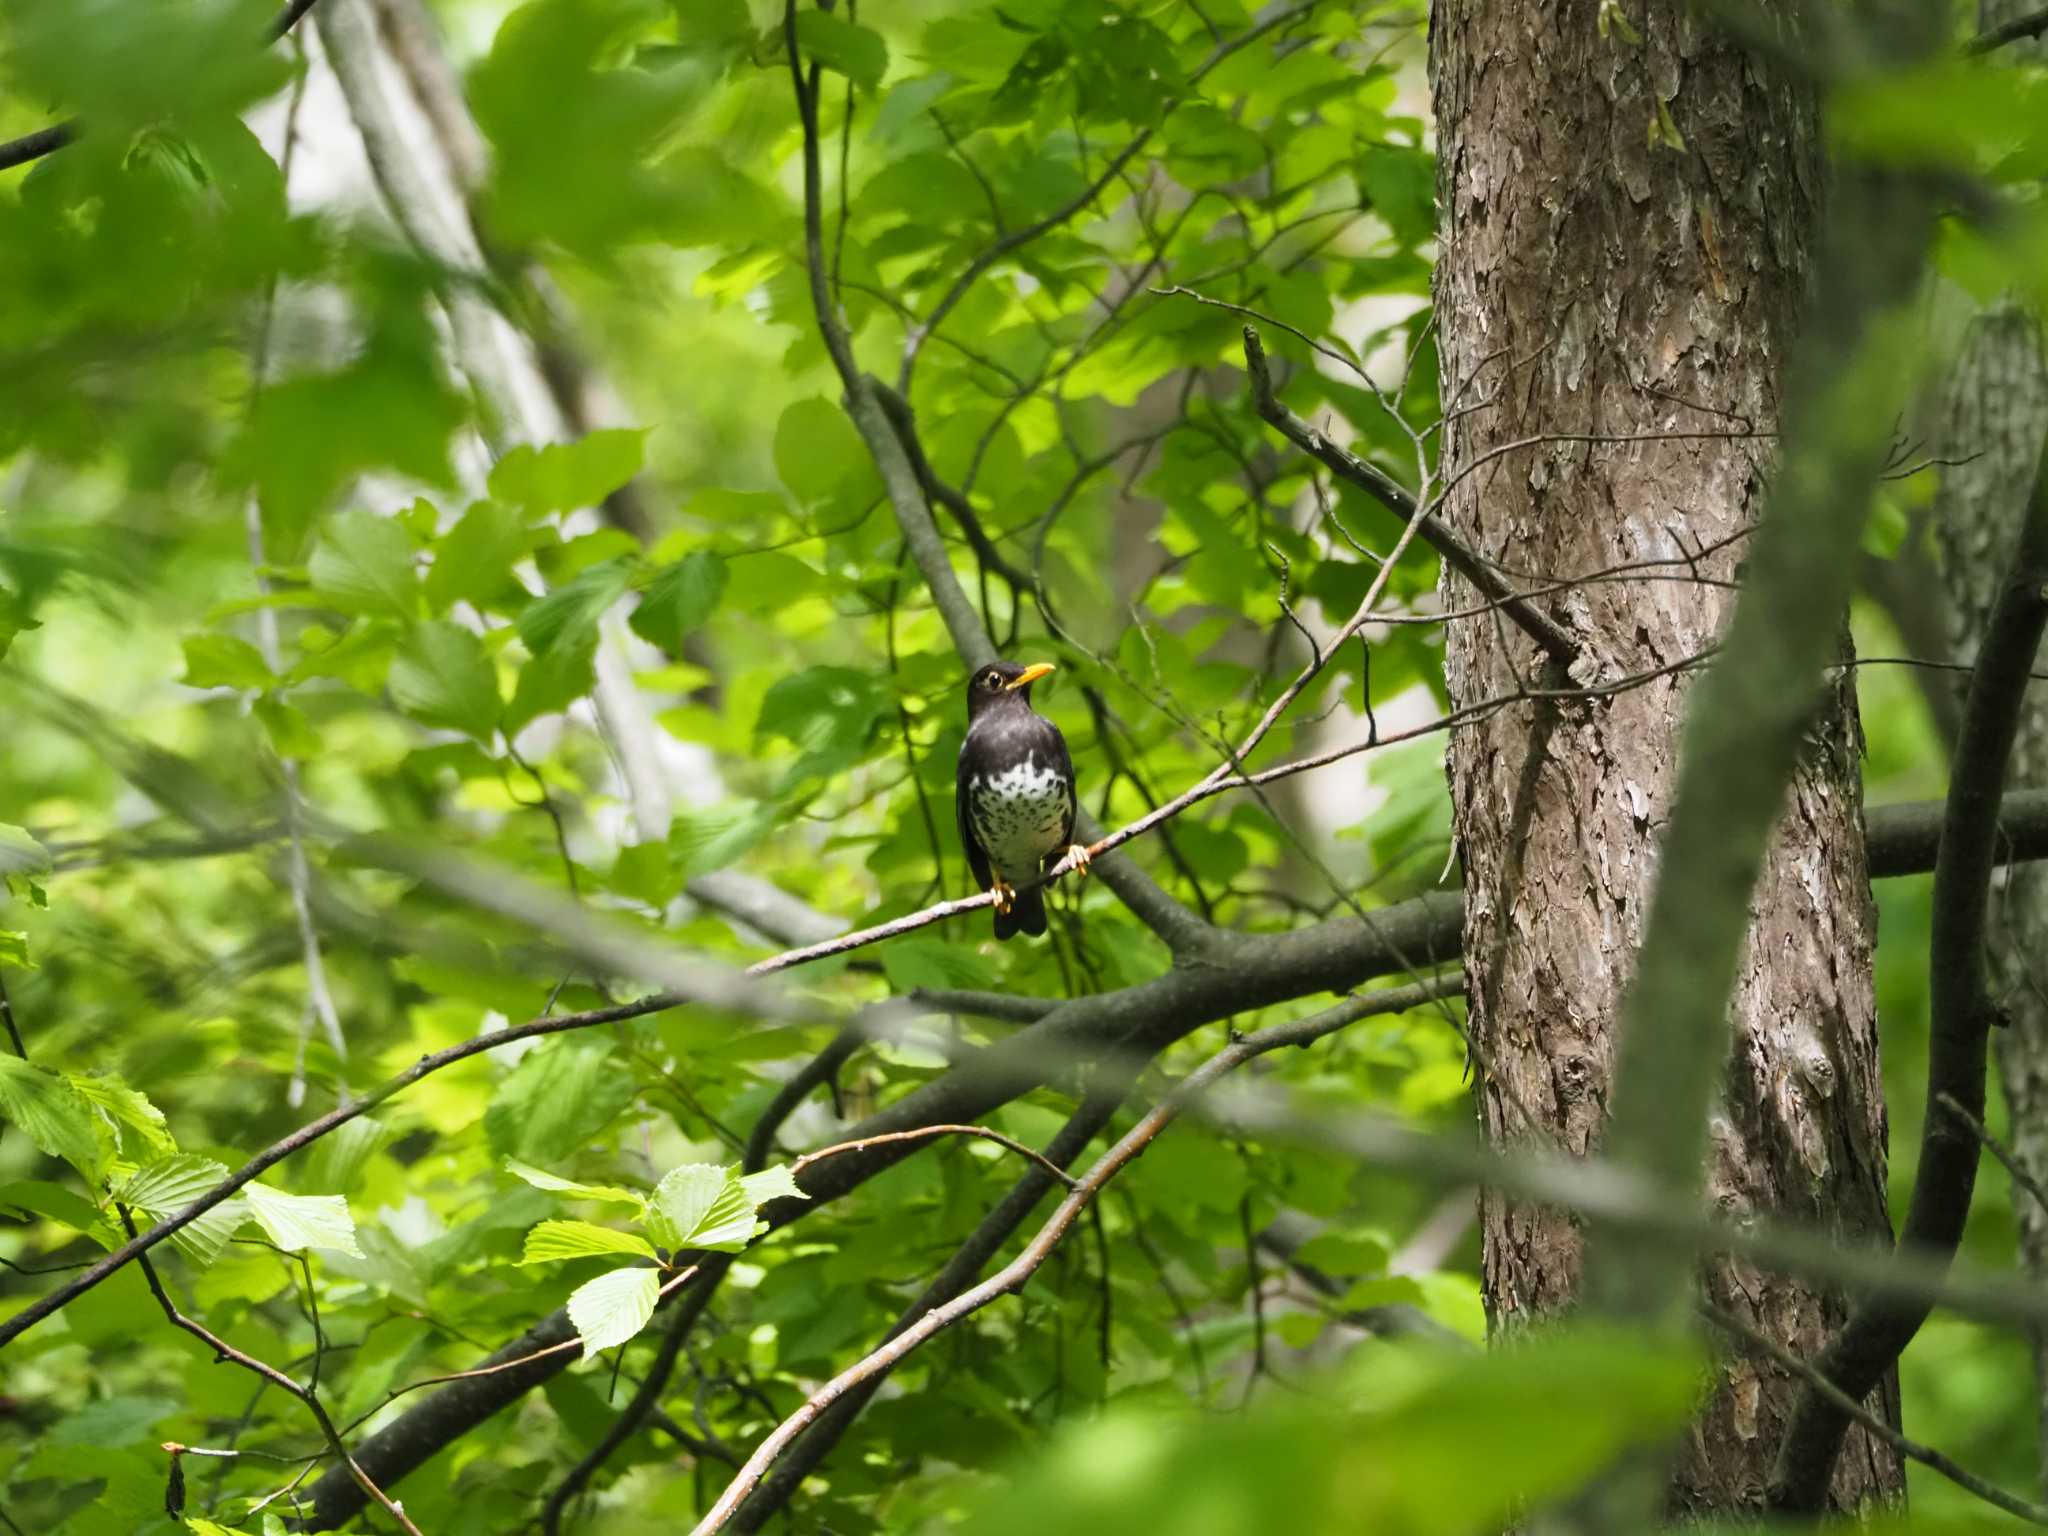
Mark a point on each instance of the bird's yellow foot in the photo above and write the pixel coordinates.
(1078, 852)
(1006, 897)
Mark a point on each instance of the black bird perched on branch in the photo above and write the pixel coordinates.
(1014, 793)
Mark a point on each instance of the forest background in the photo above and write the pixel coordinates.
(498, 505)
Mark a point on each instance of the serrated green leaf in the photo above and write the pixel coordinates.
(701, 1205)
(441, 676)
(569, 614)
(474, 560)
(679, 599)
(294, 1222)
(54, 1202)
(364, 563)
(561, 477)
(613, 1308)
(122, 1106)
(776, 1183)
(540, 1178)
(558, 1097)
(165, 1188)
(223, 661)
(555, 1240)
(49, 1112)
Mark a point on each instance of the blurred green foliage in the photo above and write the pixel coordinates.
(436, 636)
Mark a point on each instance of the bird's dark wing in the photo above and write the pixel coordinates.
(1064, 762)
(977, 857)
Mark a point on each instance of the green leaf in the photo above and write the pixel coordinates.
(53, 1202)
(112, 1421)
(441, 676)
(569, 614)
(474, 560)
(680, 597)
(50, 1112)
(553, 1240)
(294, 1222)
(1400, 183)
(554, 680)
(854, 51)
(541, 1179)
(829, 712)
(291, 733)
(222, 661)
(557, 1100)
(613, 1308)
(818, 454)
(119, 1106)
(165, 1188)
(364, 563)
(20, 853)
(776, 1183)
(701, 1205)
(561, 477)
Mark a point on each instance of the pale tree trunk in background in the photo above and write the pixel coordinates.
(1995, 416)
(1594, 280)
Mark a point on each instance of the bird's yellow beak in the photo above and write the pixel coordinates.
(1031, 674)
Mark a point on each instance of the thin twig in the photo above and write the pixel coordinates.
(1912, 1450)
(1013, 1275)
(224, 1351)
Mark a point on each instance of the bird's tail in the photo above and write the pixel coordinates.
(1026, 915)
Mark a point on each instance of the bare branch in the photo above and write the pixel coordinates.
(2033, 24)
(1913, 1450)
(310, 1396)
(1389, 493)
(1013, 1275)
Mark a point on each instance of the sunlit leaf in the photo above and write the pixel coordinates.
(613, 1308)
(554, 1240)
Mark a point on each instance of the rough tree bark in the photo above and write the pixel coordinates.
(1994, 420)
(1625, 230)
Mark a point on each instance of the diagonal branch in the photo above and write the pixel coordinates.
(1962, 1012)
(309, 1395)
(1392, 495)
(2033, 24)
(1014, 1274)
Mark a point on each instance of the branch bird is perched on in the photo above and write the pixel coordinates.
(1014, 793)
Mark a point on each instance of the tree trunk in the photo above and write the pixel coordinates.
(1994, 420)
(1625, 232)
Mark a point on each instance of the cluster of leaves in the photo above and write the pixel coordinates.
(1010, 192)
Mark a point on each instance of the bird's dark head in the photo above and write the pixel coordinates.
(1003, 684)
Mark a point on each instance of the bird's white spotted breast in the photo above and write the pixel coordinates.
(1019, 815)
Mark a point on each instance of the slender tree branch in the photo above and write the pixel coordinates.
(310, 1396)
(1962, 1013)
(994, 1229)
(1912, 1450)
(2033, 24)
(1180, 928)
(1014, 1274)
(1998, 1149)
(1391, 494)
